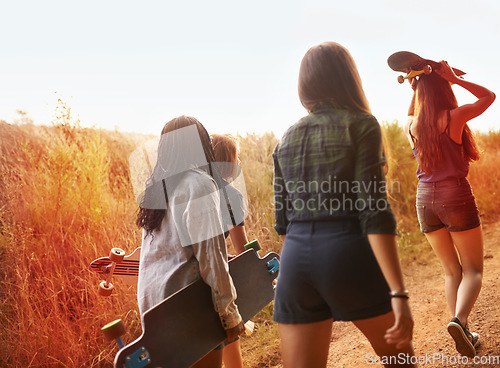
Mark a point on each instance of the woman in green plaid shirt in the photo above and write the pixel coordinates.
(339, 259)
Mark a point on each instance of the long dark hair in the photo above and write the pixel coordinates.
(434, 97)
(328, 75)
(176, 154)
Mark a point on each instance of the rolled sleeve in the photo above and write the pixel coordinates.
(214, 270)
(280, 197)
(376, 216)
(202, 219)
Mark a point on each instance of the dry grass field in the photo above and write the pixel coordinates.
(66, 199)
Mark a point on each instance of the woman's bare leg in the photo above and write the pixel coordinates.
(374, 329)
(231, 355)
(463, 271)
(470, 248)
(305, 345)
(211, 360)
(442, 244)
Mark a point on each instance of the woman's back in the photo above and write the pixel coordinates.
(451, 163)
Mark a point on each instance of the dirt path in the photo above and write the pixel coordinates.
(433, 345)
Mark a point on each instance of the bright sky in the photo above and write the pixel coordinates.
(134, 65)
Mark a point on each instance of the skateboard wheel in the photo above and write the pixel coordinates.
(254, 244)
(113, 330)
(105, 289)
(116, 255)
(401, 79)
(427, 69)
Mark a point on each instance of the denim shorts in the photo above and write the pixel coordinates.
(448, 204)
(328, 270)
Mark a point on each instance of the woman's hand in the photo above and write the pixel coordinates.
(413, 83)
(401, 332)
(461, 115)
(236, 331)
(446, 72)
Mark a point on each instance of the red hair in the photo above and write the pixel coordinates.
(434, 97)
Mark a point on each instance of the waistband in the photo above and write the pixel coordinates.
(339, 224)
(444, 183)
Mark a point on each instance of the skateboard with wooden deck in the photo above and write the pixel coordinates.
(117, 264)
(127, 267)
(413, 65)
(186, 324)
(185, 327)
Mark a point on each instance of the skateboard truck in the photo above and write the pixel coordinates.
(427, 69)
(273, 266)
(106, 287)
(138, 359)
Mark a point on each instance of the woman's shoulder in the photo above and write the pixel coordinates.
(361, 123)
(296, 127)
(232, 192)
(290, 135)
(197, 183)
(329, 117)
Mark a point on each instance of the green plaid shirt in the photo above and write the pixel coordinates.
(330, 165)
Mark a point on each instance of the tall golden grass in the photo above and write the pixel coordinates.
(66, 199)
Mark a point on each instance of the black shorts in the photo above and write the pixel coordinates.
(328, 270)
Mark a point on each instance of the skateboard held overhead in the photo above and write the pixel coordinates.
(413, 65)
(185, 327)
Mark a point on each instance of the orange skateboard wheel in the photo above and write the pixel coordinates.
(113, 330)
(116, 255)
(105, 288)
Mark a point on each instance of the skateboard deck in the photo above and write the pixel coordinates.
(185, 327)
(127, 269)
(413, 65)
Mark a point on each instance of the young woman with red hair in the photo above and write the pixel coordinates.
(444, 146)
